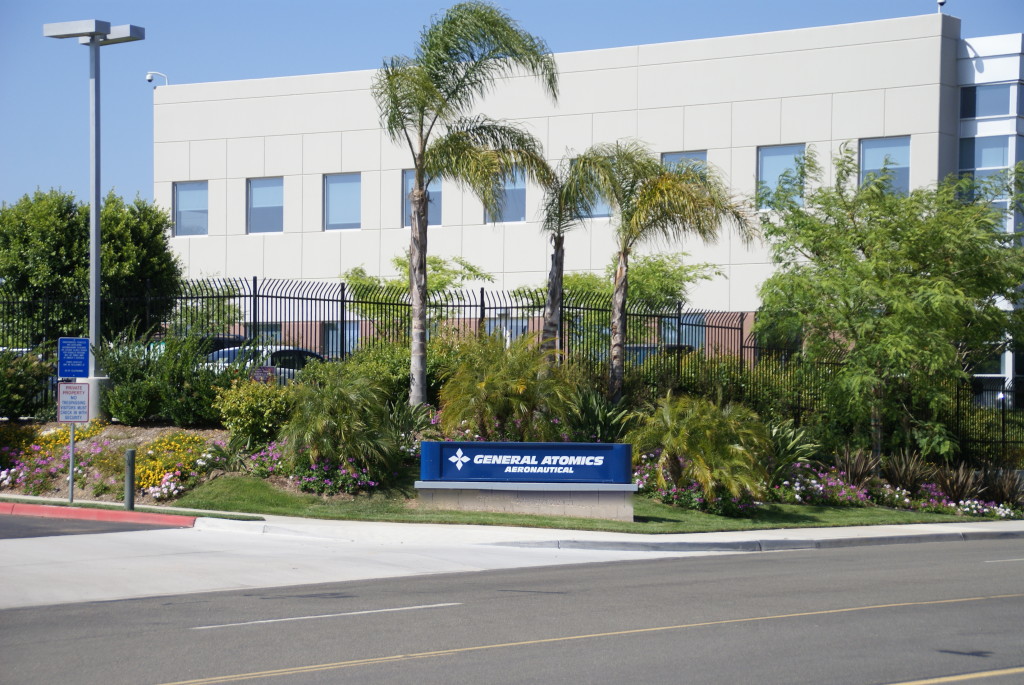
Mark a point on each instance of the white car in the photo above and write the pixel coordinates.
(282, 362)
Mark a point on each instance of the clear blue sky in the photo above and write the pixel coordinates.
(44, 82)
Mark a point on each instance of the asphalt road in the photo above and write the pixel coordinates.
(37, 527)
(856, 616)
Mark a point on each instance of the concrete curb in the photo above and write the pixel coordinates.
(46, 511)
(768, 545)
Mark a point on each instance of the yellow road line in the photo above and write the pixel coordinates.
(296, 670)
(964, 677)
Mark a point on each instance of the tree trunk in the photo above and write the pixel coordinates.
(553, 303)
(418, 293)
(617, 363)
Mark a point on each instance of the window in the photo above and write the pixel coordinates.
(263, 332)
(333, 341)
(514, 207)
(687, 331)
(433, 199)
(985, 153)
(983, 157)
(191, 208)
(341, 201)
(892, 154)
(774, 162)
(985, 101)
(600, 209)
(506, 326)
(266, 205)
(669, 159)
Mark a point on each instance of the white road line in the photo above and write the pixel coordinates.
(999, 561)
(348, 613)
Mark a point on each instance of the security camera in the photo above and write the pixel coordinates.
(149, 77)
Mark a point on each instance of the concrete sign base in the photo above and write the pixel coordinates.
(612, 501)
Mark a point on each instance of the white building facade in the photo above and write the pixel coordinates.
(294, 178)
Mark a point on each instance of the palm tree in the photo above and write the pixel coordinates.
(568, 201)
(425, 103)
(718, 448)
(651, 202)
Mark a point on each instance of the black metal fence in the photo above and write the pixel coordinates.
(695, 350)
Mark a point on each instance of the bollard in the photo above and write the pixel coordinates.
(129, 480)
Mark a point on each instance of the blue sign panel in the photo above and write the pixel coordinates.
(73, 358)
(526, 462)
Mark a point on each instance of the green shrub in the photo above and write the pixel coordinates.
(132, 396)
(907, 470)
(341, 418)
(187, 386)
(787, 445)
(496, 392)
(719, 448)
(23, 379)
(131, 402)
(253, 411)
(388, 364)
(591, 417)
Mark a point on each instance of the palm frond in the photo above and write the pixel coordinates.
(471, 46)
(483, 154)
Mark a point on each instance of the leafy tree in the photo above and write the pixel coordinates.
(910, 291)
(442, 275)
(206, 308)
(660, 281)
(44, 258)
(425, 103)
(651, 202)
(375, 296)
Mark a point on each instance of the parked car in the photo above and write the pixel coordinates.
(262, 361)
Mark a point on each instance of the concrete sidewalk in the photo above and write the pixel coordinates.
(221, 554)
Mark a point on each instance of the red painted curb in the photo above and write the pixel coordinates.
(46, 511)
(6, 507)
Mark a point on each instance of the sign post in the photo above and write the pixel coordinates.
(72, 398)
(72, 407)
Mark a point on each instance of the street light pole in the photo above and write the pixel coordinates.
(95, 235)
(95, 34)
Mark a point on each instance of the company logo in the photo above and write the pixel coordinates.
(458, 459)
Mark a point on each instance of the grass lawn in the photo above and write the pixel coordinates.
(255, 496)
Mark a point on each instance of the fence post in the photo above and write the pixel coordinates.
(743, 316)
(341, 326)
(148, 295)
(129, 480)
(482, 323)
(560, 327)
(1002, 411)
(255, 310)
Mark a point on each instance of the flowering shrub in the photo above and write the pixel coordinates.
(808, 484)
(269, 461)
(891, 496)
(645, 474)
(326, 480)
(686, 496)
(170, 486)
(175, 453)
(39, 467)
